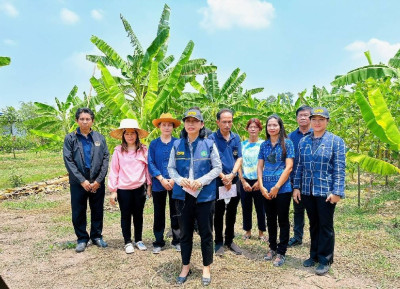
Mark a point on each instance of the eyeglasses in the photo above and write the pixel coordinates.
(271, 158)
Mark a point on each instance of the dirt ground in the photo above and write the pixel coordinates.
(36, 251)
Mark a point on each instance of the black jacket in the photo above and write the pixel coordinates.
(75, 162)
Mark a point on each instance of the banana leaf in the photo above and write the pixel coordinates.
(111, 94)
(153, 79)
(173, 80)
(111, 54)
(372, 165)
(134, 40)
(197, 86)
(162, 25)
(152, 51)
(365, 72)
(211, 85)
(230, 80)
(383, 117)
(395, 61)
(46, 135)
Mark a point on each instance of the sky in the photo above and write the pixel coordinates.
(282, 46)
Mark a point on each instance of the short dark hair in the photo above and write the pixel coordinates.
(222, 111)
(84, 110)
(303, 107)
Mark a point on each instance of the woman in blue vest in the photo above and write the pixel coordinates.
(194, 164)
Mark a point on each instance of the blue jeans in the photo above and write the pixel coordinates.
(298, 218)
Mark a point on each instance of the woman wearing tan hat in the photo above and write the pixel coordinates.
(128, 178)
(158, 157)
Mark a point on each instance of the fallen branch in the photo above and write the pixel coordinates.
(50, 186)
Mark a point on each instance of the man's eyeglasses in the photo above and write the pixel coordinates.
(272, 158)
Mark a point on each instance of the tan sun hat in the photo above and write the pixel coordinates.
(166, 117)
(128, 123)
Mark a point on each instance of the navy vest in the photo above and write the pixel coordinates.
(201, 166)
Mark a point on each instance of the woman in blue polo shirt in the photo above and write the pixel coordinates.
(275, 162)
(194, 164)
(159, 151)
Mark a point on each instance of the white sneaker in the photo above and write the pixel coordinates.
(141, 246)
(156, 250)
(129, 248)
(177, 247)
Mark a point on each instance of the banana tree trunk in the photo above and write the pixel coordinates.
(359, 185)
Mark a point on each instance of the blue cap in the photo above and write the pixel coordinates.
(321, 111)
(195, 113)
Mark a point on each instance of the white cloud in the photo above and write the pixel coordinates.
(9, 9)
(381, 51)
(224, 14)
(68, 17)
(97, 14)
(9, 42)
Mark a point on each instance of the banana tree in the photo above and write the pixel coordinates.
(375, 71)
(148, 84)
(54, 122)
(369, 82)
(210, 97)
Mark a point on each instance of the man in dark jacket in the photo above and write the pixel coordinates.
(86, 159)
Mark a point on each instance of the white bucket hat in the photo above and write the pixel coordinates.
(128, 123)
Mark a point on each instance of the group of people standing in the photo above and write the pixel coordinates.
(205, 175)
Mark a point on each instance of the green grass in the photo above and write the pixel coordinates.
(31, 166)
(33, 202)
(367, 240)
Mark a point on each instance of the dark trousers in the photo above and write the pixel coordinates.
(247, 199)
(230, 218)
(159, 202)
(189, 211)
(277, 211)
(79, 200)
(298, 218)
(320, 213)
(131, 203)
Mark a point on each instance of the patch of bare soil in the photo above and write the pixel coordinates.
(35, 253)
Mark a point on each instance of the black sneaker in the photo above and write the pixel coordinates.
(322, 269)
(80, 247)
(309, 263)
(99, 242)
(235, 249)
(219, 250)
(294, 242)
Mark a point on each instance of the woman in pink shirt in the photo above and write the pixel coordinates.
(128, 179)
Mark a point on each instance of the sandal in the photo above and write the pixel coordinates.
(246, 237)
(270, 255)
(263, 238)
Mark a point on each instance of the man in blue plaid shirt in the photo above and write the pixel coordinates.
(319, 183)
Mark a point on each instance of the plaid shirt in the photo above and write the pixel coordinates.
(321, 172)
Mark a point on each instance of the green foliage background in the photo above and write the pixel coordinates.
(364, 103)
